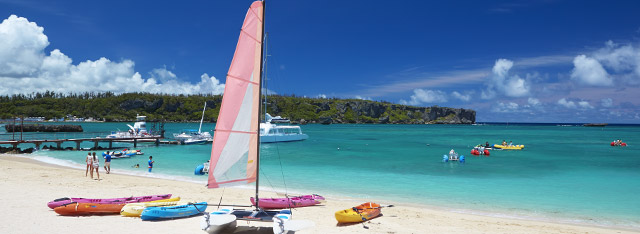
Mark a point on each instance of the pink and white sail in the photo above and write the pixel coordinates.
(235, 143)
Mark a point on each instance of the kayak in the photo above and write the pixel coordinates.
(291, 202)
(172, 212)
(363, 212)
(135, 209)
(61, 201)
(509, 147)
(76, 208)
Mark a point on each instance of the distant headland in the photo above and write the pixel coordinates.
(112, 107)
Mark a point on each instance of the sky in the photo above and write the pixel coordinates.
(510, 61)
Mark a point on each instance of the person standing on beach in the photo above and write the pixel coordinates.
(150, 163)
(89, 161)
(96, 165)
(107, 162)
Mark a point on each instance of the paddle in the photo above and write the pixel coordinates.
(380, 207)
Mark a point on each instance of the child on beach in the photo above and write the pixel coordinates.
(150, 163)
(89, 161)
(96, 165)
(107, 162)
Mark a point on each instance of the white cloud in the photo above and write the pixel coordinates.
(321, 96)
(500, 83)
(533, 101)
(362, 98)
(461, 97)
(22, 43)
(25, 68)
(584, 105)
(509, 107)
(567, 104)
(606, 102)
(423, 96)
(590, 72)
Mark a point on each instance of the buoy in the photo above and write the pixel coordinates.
(445, 158)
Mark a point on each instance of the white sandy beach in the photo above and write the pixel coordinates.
(27, 185)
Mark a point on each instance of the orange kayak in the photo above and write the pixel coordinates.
(88, 209)
(360, 213)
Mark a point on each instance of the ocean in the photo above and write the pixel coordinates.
(566, 172)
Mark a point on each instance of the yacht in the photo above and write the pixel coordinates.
(270, 132)
(191, 136)
(139, 129)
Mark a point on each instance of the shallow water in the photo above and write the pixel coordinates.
(565, 173)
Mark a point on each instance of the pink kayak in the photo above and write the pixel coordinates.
(62, 201)
(291, 202)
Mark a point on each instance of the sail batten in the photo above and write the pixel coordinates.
(234, 150)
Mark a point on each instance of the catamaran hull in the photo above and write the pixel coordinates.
(282, 138)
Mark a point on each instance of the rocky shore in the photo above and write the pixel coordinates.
(43, 128)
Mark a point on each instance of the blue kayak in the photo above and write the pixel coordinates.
(172, 212)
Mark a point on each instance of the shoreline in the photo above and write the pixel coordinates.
(404, 218)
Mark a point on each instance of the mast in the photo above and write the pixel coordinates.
(205, 107)
(260, 105)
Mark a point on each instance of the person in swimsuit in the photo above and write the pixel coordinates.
(89, 161)
(96, 165)
(107, 162)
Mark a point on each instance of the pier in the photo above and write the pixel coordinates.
(58, 139)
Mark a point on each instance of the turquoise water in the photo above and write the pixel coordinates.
(565, 173)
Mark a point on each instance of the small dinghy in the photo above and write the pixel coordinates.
(363, 212)
(61, 201)
(290, 202)
(173, 212)
(77, 209)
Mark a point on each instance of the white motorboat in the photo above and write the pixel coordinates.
(139, 129)
(270, 132)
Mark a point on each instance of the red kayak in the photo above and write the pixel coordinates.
(291, 202)
(88, 209)
(621, 144)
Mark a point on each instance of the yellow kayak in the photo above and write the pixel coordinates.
(509, 147)
(360, 213)
(135, 209)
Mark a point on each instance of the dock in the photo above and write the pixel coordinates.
(58, 139)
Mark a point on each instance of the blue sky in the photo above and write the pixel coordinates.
(515, 61)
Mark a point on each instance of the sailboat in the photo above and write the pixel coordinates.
(235, 150)
(190, 136)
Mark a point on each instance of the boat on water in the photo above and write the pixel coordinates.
(452, 157)
(138, 130)
(270, 132)
(235, 152)
(508, 147)
(595, 124)
(191, 136)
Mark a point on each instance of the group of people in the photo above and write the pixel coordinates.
(617, 142)
(504, 143)
(93, 164)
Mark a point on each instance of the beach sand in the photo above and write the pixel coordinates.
(27, 185)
